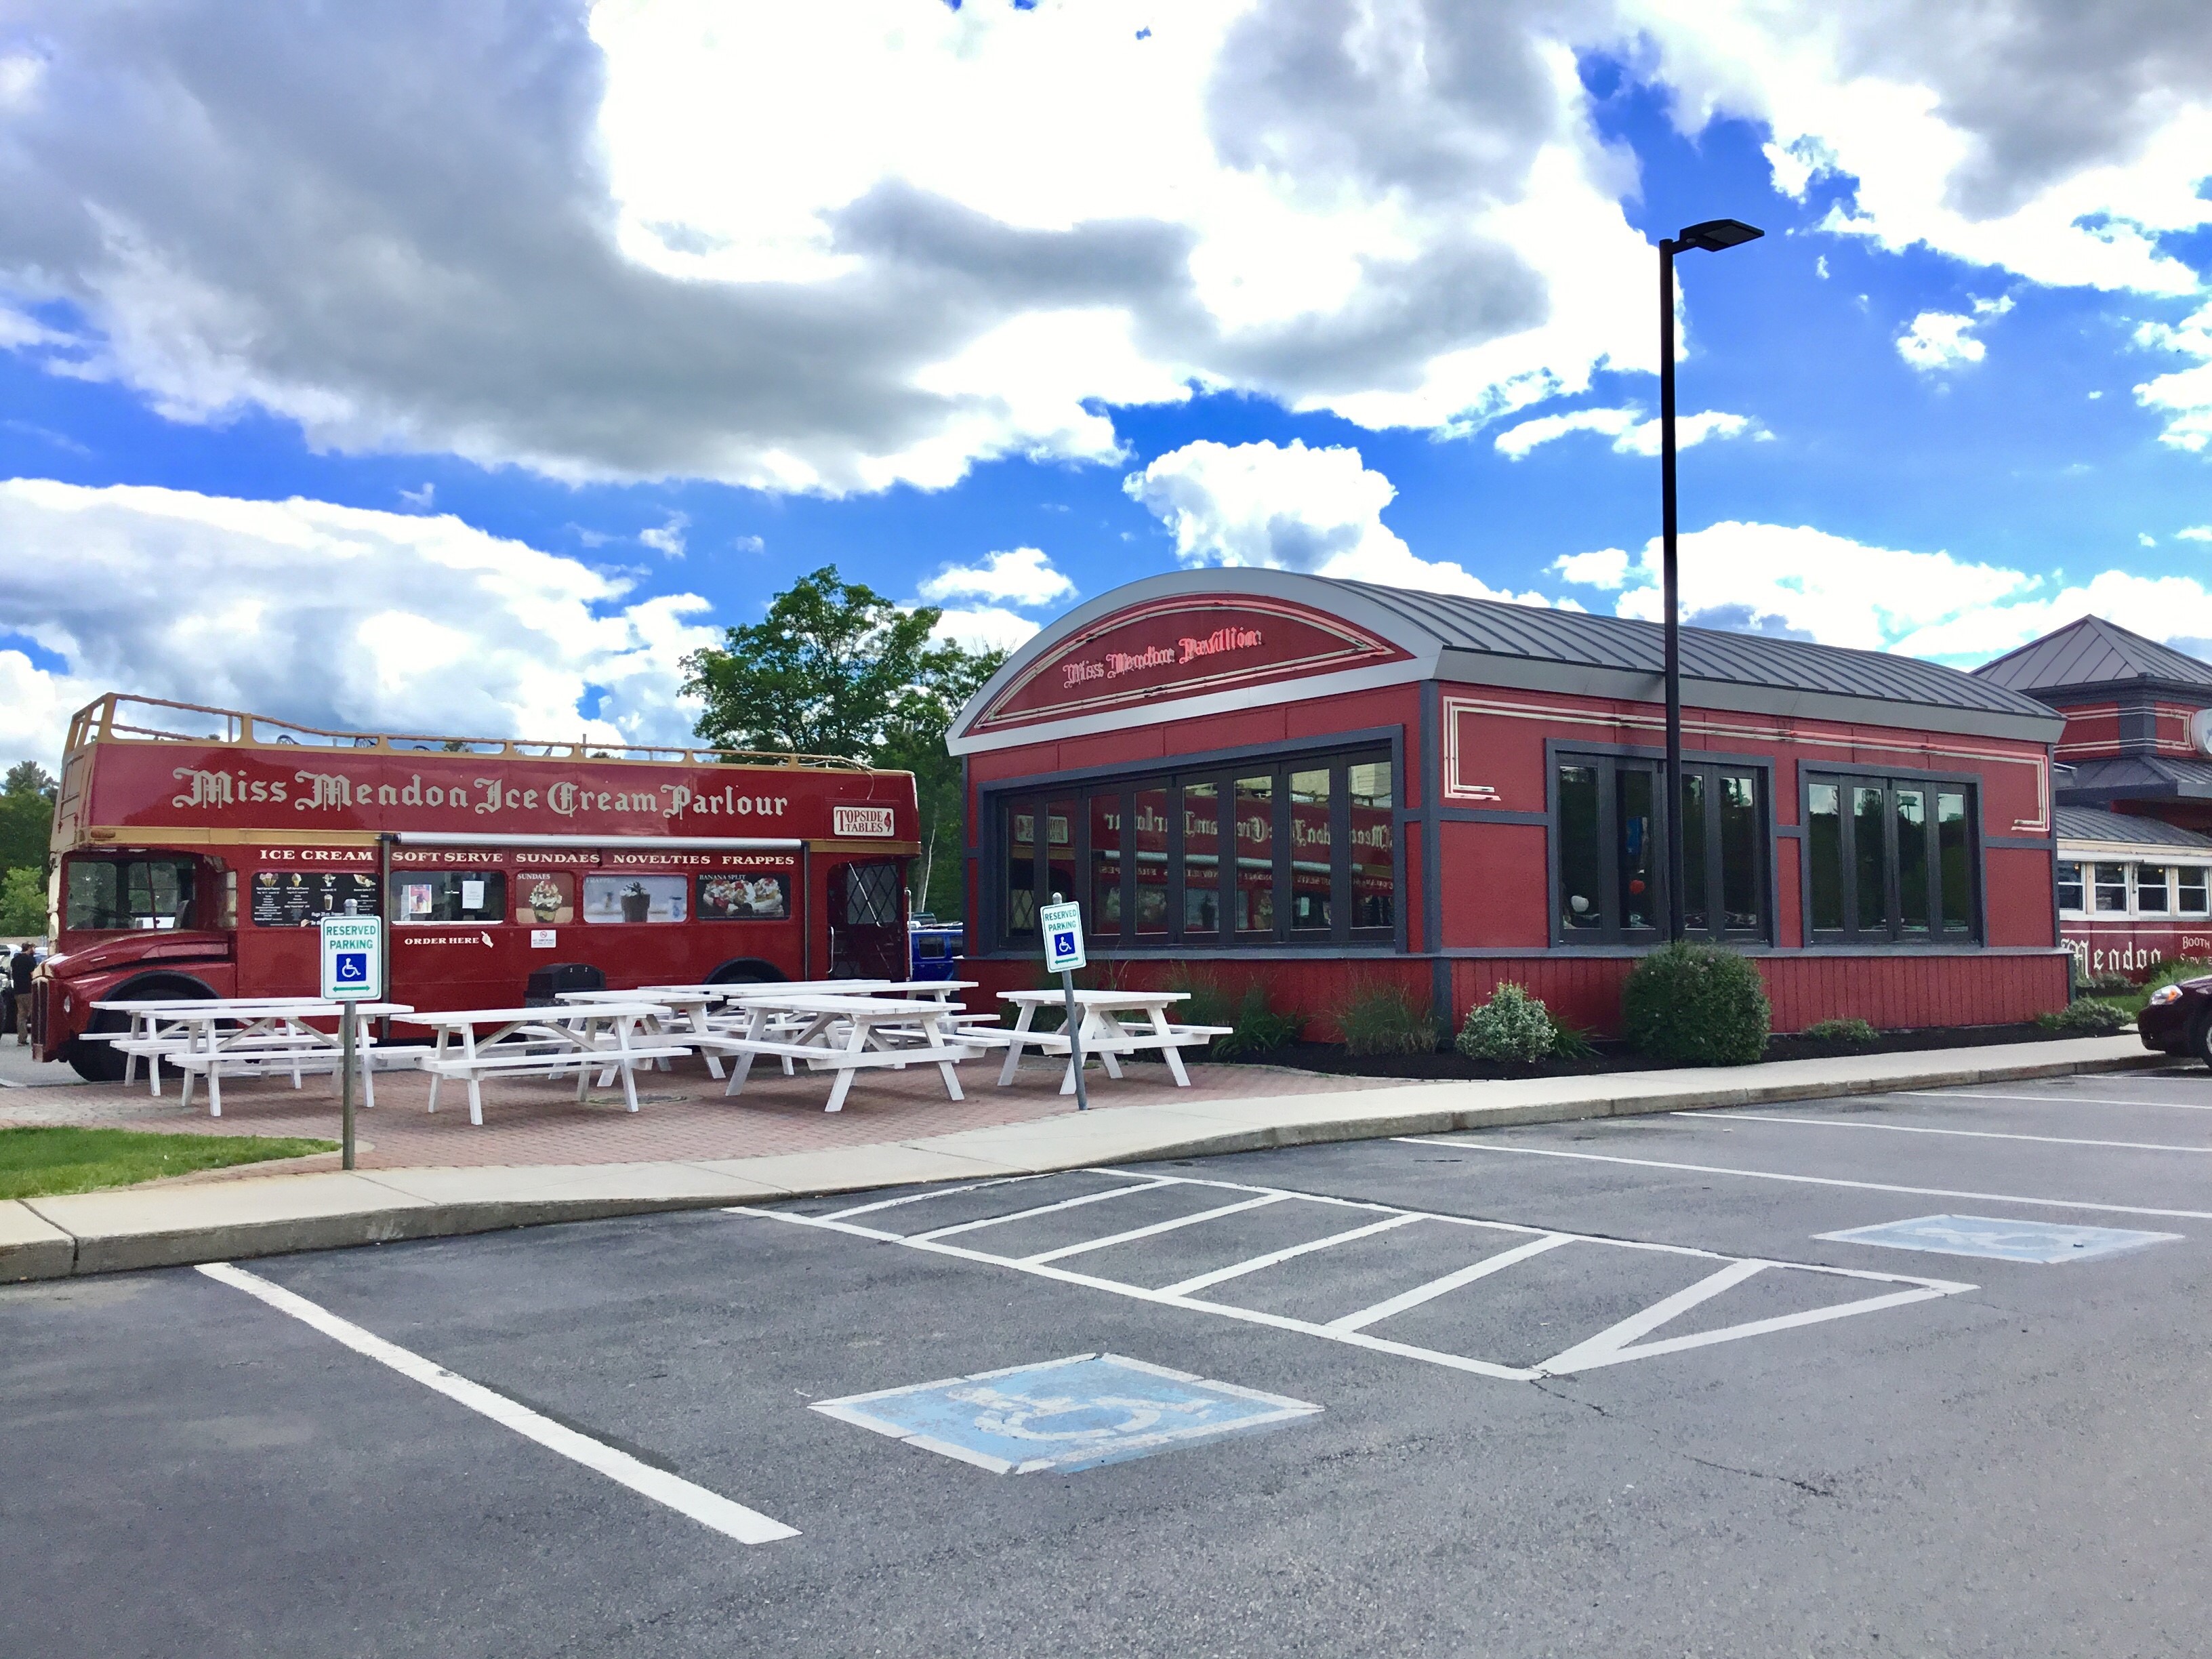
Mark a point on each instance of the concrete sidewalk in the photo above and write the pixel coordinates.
(175, 1225)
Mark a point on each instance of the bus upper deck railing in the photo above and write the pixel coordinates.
(115, 717)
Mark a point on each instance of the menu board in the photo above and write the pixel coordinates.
(297, 898)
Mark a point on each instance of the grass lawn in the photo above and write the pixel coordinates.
(38, 1162)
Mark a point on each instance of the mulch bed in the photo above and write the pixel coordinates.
(1447, 1065)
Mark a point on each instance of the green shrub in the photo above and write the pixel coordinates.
(1383, 1019)
(1205, 1002)
(2105, 985)
(1569, 1043)
(1697, 1005)
(2173, 973)
(2087, 1019)
(1256, 1028)
(1512, 1026)
(1840, 1031)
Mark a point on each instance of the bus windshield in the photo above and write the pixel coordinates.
(119, 893)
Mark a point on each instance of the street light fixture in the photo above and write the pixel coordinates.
(1713, 235)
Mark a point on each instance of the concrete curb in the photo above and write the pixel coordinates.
(128, 1228)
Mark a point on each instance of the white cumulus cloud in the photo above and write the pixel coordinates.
(1289, 507)
(1632, 432)
(1020, 576)
(327, 616)
(2186, 395)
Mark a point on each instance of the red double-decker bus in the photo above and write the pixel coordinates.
(197, 847)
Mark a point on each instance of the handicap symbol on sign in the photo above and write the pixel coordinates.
(352, 968)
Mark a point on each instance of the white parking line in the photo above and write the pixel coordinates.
(917, 1198)
(1253, 1264)
(2046, 1100)
(1811, 1181)
(1535, 1241)
(1157, 1228)
(1042, 1209)
(709, 1509)
(1706, 1120)
(1437, 1287)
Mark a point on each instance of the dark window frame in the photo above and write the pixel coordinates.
(1610, 757)
(1891, 935)
(997, 805)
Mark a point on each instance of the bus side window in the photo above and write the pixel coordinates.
(449, 896)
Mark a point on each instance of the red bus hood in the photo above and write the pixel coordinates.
(135, 951)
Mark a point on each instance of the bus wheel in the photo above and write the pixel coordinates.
(746, 973)
(100, 1062)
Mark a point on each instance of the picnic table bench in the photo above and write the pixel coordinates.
(1100, 1026)
(594, 1036)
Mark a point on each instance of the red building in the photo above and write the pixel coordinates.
(1324, 784)
(2134, 791)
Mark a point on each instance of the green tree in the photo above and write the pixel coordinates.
(26, 817)
(835, 668)
(914, 742)
(23, 903)
(820, 674)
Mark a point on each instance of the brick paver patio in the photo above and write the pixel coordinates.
(683, 1115)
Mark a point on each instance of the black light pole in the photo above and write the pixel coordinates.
(1712, 235)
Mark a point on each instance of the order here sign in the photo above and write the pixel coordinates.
(353, 958)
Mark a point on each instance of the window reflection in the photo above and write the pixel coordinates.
(1149, 840)
(1201, 860)
(1254, 821)
(1374, 879)
(1312, 873)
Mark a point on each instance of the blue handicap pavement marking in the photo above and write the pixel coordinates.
(2042, 1241)
(1063, 1415)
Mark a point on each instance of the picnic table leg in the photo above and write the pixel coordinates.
(475, 1093)
(741, 1066)
(215, 1084)
(628, 1067)
(941, 1030)
(1104, 1024)
(856, 1043)
(696, 1023)
(1014, 1049)
(438, 1053)
(1169, 1052)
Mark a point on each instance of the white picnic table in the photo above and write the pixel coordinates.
(684, 1013)
(1101, 1029)
(145, 1039)
(594, 1036)
(266, 1034)
(847, 1033)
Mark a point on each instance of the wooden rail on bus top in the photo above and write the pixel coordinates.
(98, 722)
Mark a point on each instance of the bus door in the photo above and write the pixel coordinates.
(867, 920)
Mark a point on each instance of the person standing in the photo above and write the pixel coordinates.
(19, 970)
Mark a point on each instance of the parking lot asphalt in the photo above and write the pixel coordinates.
(1613, 1386)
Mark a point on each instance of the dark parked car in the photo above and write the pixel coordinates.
(2179, 1019)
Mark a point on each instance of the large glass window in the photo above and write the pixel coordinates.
(2151, 899)
(1255, 856)
(450, 896)
(2191, 894)
(1374, 879)
(1150, 873)
(1201, 860)
(1302, 850)
(139, 893)
(1313, 869)
(2111, 888)
(1889, 861)
(1609, 850)
(2072, 896)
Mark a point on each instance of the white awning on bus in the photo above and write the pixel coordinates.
(650, 843)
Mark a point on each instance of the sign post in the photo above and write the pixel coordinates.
(1062, 927)
(353, 973)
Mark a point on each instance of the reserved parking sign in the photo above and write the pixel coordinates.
(1062, 924)
(353, 958)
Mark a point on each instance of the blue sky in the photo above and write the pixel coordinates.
(186, 333)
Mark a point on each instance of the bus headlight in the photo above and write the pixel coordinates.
(2165, 993)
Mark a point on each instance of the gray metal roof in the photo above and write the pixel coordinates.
(2126, 829)
(2123, 777)
(2093, 652)
(1497, 628)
